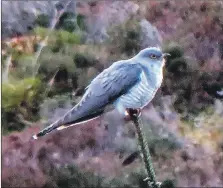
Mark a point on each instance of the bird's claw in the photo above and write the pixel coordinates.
(134, 112)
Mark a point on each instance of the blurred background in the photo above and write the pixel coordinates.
(51, 50)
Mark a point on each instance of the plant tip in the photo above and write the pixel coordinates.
(34, 137)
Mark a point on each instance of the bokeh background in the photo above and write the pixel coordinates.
(52, 50)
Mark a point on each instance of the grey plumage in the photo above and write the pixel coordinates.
(102, 91)
(125, 84)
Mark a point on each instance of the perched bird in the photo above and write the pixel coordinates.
(126, 84)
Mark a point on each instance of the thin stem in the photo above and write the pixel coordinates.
(145, 151)
(56, 18)
(6, 69)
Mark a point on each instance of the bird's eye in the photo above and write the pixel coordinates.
(153, 56)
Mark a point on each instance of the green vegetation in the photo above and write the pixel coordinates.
(20, 102)
(42, 21)
(83, 60)
(63, 63)
(56, 36)
(56, 74)
(126, 37)
(39, 86)
(73, 177)
(176, 63)
(67, 22)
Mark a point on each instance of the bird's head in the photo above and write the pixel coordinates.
(152, 57)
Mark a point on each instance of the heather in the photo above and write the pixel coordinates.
(50, 57)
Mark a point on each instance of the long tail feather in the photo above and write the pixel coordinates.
(47, 130)
(59, 125)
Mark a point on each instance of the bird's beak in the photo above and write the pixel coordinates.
(164, 57)
(166, 54)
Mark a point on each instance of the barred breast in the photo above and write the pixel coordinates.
(140, 95)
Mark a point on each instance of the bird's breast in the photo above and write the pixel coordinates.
(140, 94)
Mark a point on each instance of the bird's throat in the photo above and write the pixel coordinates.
(154, 76)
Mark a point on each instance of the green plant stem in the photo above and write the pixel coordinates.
(44, 42)
(145, 151)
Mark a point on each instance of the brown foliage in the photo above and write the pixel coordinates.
(29, 163)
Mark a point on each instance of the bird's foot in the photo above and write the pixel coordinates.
(132, 112)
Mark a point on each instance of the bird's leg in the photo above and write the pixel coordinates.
(127, 116)
(130, 113)
(134, 112)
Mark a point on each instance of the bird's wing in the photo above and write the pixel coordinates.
(102, 91)
(105, 89)
(115, 80)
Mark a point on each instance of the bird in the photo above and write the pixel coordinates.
(126, 84)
